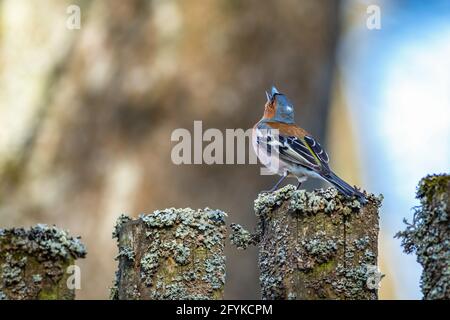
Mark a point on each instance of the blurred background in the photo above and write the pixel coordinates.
(86, 114)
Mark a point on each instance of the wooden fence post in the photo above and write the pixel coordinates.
(429, 236)
(34, 263)
(315, 245)
(171, 254)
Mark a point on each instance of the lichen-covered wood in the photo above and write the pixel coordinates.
(315, 245)
(429, 236)
(34, 262)
(171, 254)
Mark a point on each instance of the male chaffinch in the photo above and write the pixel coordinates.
(290, 151)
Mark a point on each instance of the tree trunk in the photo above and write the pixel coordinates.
(34, 263)
(171, 254)
(429, 236)
(316, 245)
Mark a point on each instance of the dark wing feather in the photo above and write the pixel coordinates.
(296, 149)
(320, 152)
(306, 152)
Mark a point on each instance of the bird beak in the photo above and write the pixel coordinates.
(274, 91)
(269, 97)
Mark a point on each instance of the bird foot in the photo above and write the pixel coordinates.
(274, 188)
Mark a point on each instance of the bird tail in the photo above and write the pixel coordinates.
(344, 187)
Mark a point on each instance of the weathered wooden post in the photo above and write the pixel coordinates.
(34, 263)
(171, 254)
(429, 236)
(315, 245)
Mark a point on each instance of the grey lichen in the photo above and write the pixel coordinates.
(150, 262)
(321, 248)
(34, 259)
(47, 242)
(11, 270)
(114, 290)
(357, 268)
(321, 200)
(326, 200)
(160, 218)
(242, 238)
(215, 271)
(352, 281)
(126, 252)
(121, 220)
(175, 249)
(361, 243)
(267, 201)
(37, 278)
(180, 256)
(429, 235)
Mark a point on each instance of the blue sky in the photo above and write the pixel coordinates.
(397, 83)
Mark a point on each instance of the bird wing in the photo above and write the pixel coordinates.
(305, 151)
(318, 150)
(295, 145)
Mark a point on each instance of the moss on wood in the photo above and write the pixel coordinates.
(429, 236)
(33, 262)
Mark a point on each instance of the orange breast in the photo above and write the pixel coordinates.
(269, 110)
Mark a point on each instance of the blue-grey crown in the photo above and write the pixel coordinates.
(285, 108)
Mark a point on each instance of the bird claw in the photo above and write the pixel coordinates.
(269, 191)
(275, 187)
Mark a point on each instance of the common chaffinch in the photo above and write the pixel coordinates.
(290, 151)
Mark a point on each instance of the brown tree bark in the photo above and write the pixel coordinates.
(171, 254)
(315, 245)
(34, 263)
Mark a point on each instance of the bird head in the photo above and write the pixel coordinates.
(278, 107)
